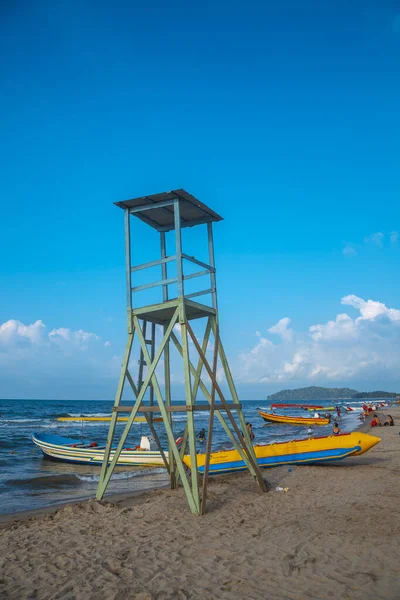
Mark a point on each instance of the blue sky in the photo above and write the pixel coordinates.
(283, 117)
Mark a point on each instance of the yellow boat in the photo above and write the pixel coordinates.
(137, 419)
(308, 451)
(293, 420)
(328, 408)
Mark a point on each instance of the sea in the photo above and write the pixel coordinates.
(29, 481)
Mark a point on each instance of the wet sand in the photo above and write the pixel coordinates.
(334, 534)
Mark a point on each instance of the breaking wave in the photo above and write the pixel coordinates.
(122, 476)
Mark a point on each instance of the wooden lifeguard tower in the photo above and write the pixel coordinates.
(172, 211)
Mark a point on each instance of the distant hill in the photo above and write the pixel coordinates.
(377, 394)
(314, 393)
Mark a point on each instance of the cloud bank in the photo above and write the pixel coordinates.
(343, 349)
(36, 361)
(64, 363)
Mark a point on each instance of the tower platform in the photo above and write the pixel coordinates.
(163, 312)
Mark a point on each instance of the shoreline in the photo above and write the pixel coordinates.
(123, 497)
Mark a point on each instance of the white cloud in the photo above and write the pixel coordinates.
(369, 309)
(394, 237)
(376, 238)
(16, 333)
(341, 349)
(281, 328)
(68, 335)
(342, 327)
(349, 250)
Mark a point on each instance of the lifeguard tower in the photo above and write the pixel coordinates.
(171, 212)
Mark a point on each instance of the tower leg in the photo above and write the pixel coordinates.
(190, 416)
(167, 384)
(210, 430)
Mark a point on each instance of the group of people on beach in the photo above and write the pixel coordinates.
(335, 429)
(376, 421)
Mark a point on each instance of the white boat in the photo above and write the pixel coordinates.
(77, 451)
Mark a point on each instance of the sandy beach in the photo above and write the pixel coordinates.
(334, 534)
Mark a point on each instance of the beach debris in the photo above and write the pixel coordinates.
(281, 489)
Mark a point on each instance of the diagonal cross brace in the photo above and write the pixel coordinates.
(250, 455)
(151, 368)
(217, 412)
(149, 422)
(180, 466)
(233, 391)
(210, 428)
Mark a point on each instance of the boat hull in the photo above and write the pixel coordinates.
(297, 452)
(76, 452)
(293, 420)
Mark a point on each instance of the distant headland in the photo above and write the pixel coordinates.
(323, 393)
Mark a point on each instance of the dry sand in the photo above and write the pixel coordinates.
(334, 534)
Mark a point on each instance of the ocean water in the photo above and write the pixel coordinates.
(28, 481)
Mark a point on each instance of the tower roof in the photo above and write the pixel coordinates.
(192, 211)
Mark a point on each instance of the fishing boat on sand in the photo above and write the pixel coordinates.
(306, 451)
(77, 451)
(296, 452)
(293, 420)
